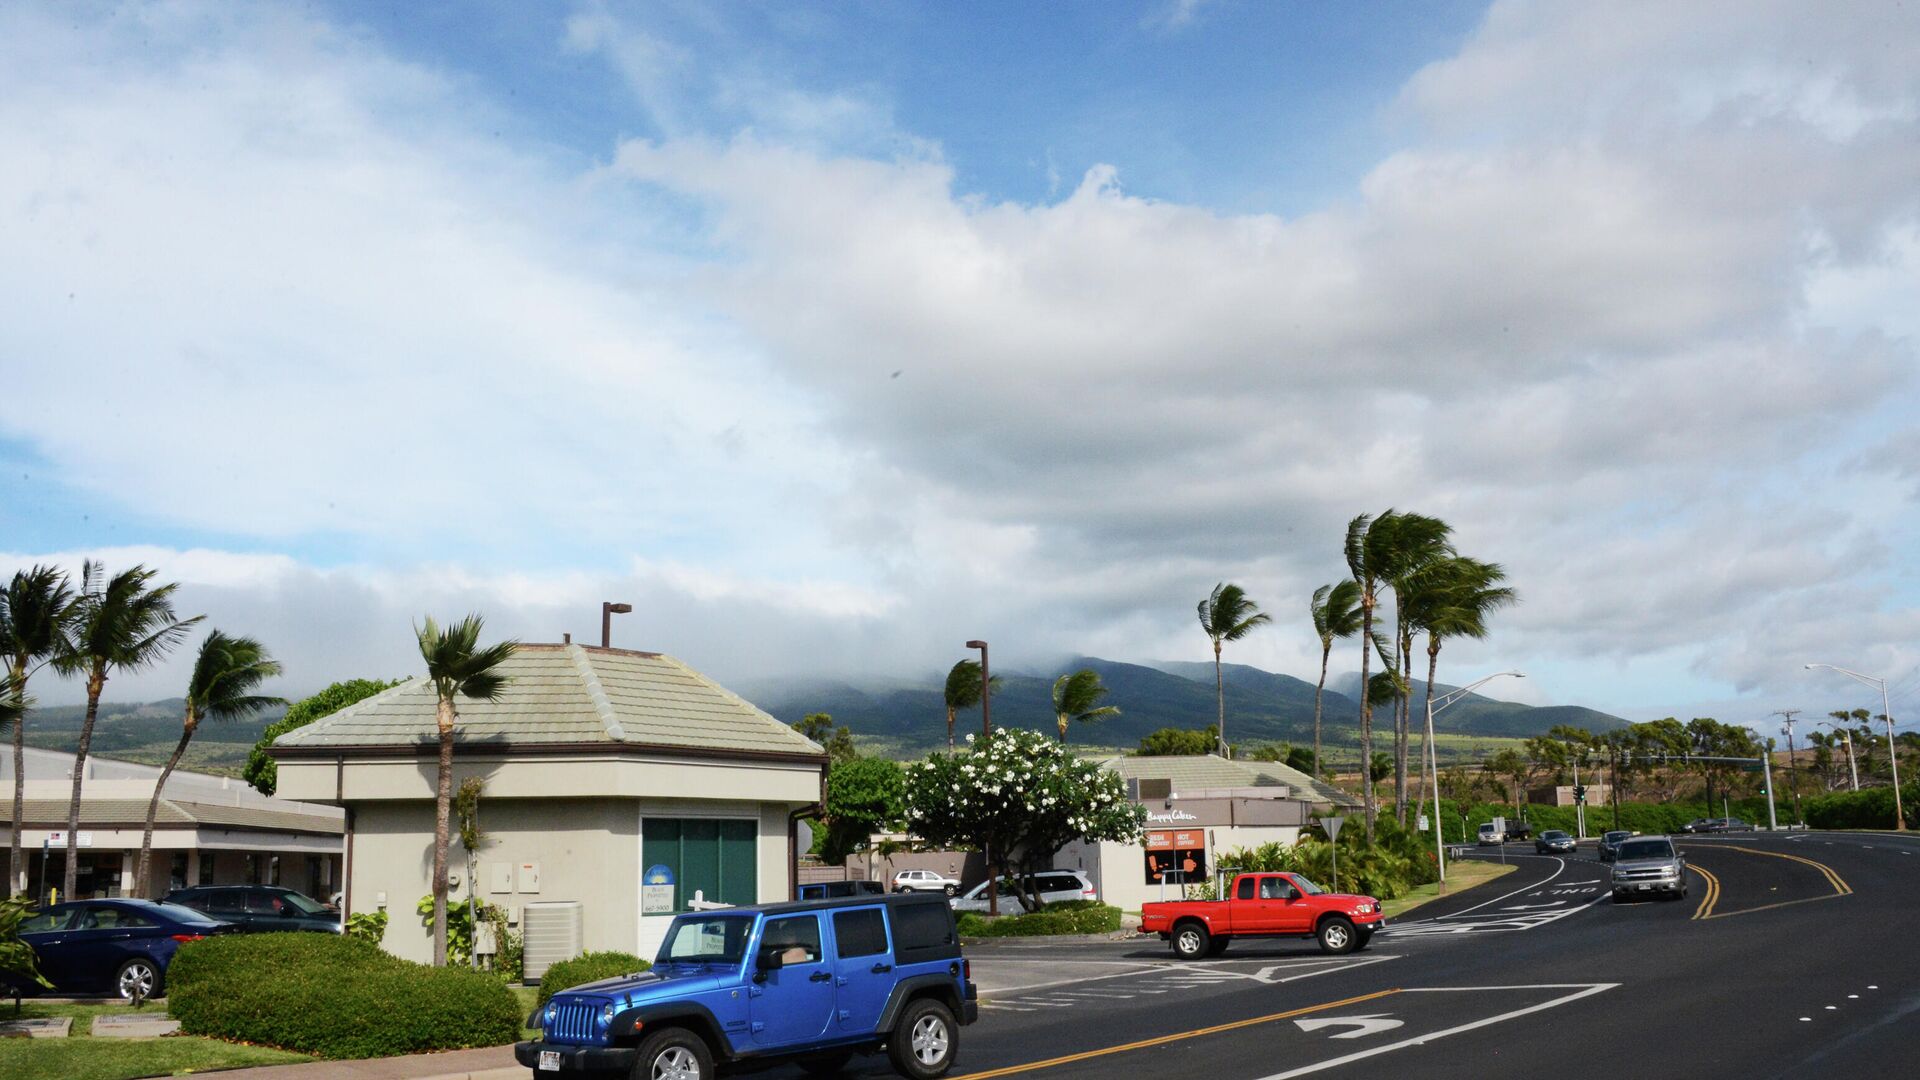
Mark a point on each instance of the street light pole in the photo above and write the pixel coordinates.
(1433, 761)
(1893, 752)
(986, 690)
(608, 609)
(1793, 778)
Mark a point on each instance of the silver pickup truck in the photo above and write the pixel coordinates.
(1648, 865)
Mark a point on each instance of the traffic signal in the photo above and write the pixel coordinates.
(1580, 794)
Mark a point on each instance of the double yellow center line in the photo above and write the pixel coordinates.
(1707, 903)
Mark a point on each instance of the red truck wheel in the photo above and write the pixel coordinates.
(1337, 935)
(1190, 941)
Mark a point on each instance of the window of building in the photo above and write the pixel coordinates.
(713, 859)
(206, 868)
(273, 870)
(177, 871)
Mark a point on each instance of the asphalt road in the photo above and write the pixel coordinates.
(1791, 956)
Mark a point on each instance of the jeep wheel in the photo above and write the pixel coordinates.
(1337, 936)
(924, 1041)
(826, 1064)
(673, 1054)
(1191, 941)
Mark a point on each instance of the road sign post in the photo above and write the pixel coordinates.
(1331, 826)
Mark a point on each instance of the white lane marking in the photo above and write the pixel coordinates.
(1806, 1019)
(1370, 1024)
(1137, 969)
(1587, 990)
(1524, 888)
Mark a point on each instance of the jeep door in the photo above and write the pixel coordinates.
(793, 1002)
(862, 968)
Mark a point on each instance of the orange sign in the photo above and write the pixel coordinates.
(1174, 839)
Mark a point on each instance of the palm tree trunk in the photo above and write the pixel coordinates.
(1326, 650)
(153, 806)
(442, 809)
(1420, 795)
(96, 684)
(1220, 697)
(949, 729)
(17, 856)
(1366, 706)
(1402, 722)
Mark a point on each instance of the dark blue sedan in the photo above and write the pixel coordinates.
(118, 947)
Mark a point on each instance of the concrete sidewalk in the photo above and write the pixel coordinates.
(487, 1063)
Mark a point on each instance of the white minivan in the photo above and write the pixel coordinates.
(1490, 835)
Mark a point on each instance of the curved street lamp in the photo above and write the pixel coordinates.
(1893, 752)
(1433, 759)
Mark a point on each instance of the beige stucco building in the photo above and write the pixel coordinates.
(623, 782)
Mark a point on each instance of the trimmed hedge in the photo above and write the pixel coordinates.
(1066, 917)
(588, 967)
(1868, 808)
(334, 996)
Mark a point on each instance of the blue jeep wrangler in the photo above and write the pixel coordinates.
(812, 981)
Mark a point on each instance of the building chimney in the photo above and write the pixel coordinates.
(566, 639)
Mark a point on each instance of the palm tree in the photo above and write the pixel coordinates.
(1077, 697)
(1227, 614)
(35, 610)
(963, 691)
(225, 674)
(120, 623)
(1421, 542)
(1377, 551)
(1336, 616)
(1451, 598)
(457, 666)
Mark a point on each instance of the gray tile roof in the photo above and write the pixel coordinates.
(1198, 772)
(123, 813)
(567, 694)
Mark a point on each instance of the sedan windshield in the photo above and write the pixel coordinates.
(1646, 849)
(706, 939)
(1616, 837)
(1553, 834)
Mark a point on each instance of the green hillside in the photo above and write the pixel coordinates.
(146, 732)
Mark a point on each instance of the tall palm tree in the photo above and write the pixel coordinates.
(963, 691)
(1336, 616)
(1377, 549)
(120, 623)
(35, 609)
(1421, 542)
(1227, 614)
(1077, 697)
(225, 674)
(1451, 598)
(457, 666)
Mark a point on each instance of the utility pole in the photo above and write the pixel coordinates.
(1766, 762)
(1793, 784)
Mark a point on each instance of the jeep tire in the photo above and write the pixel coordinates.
(673, 1054)
(924, 1041)
(1191, 941)
(1337, 935)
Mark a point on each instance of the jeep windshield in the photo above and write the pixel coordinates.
(706, 939)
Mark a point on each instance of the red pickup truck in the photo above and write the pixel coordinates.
(1264, 905)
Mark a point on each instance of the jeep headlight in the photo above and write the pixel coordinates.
(546, 1019)
(606, 1015)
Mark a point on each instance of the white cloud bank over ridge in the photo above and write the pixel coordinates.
(1628, 306)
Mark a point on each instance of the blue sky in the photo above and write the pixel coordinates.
(834, 335)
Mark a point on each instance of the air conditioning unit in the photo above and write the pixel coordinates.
(550, 931)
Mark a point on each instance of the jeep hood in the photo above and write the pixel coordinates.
(670, 981)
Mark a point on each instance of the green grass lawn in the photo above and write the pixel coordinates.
(82, 1057)
(529, 996)
(1461, 875)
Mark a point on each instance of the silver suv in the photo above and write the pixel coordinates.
(1648, 864)
(1053, 886)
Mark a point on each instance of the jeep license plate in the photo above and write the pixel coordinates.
(549, 1061)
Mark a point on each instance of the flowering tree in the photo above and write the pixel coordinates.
(1020, 797)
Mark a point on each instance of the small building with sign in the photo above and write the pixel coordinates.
(621, 788)
(1198, 806)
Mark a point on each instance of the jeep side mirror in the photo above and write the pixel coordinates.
(772, 958)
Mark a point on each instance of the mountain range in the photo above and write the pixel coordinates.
(1262, 706)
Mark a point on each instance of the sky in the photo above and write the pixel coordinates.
(831, 336)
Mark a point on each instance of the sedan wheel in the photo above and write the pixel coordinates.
(137, 979)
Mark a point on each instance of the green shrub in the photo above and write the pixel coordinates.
(367, 926)
(334, 996)
(1868, 808)
(586, 968)
(1066, 917)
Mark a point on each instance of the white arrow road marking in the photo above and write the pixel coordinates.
(1363, 1026)
(1532, 907)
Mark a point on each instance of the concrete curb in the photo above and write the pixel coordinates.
(505, 1072)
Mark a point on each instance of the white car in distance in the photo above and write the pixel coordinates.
(924, 881)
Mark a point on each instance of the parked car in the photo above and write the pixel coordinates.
(1052, 885)
(258, 909)
(813, 981)
(822, 890)
(924, 881)
(1264, 905)
(1554, 842)
(118, 947)
(1610, 843)
(1649, 865)
(1726, 824)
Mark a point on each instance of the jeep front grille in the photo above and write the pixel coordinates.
(573, 1023)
